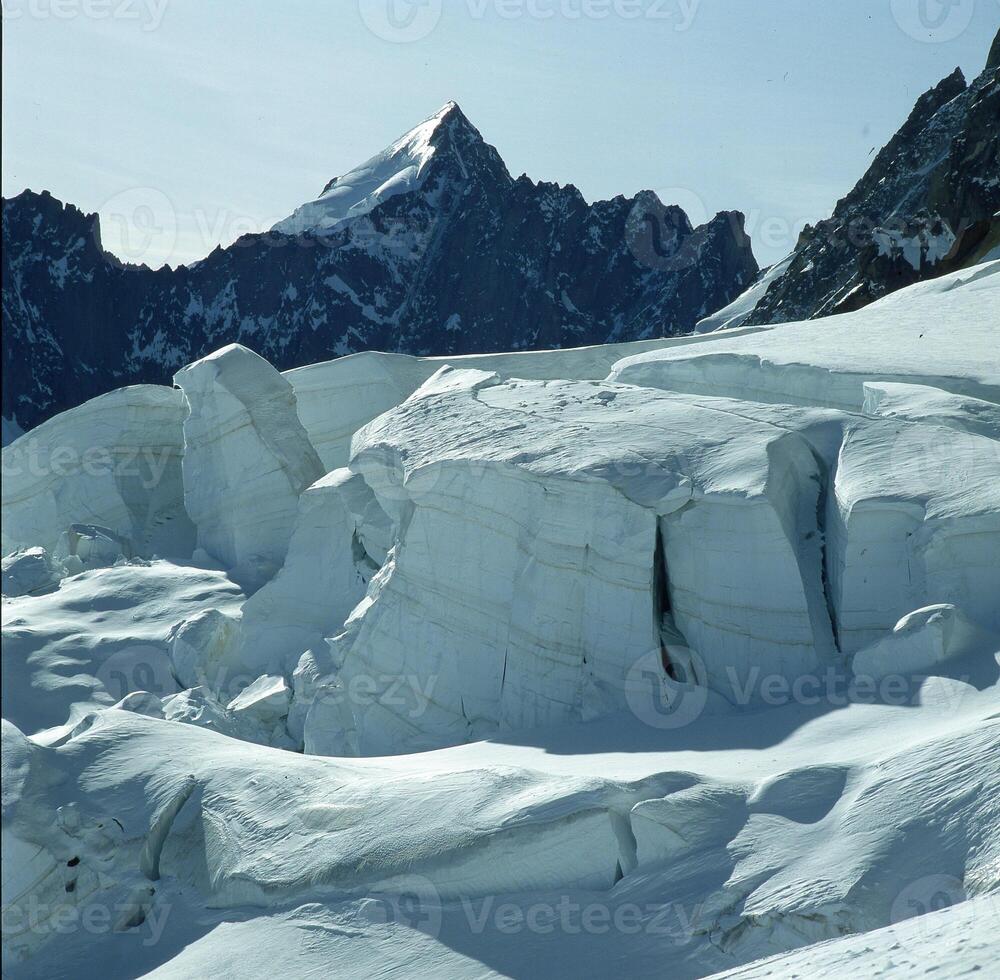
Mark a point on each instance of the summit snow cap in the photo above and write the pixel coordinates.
(399, 169)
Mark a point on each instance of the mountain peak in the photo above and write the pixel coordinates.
(400, 168)
(449, 114)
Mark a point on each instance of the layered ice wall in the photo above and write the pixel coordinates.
(114, 461)
(321, 581)
(914, 519)
(549, 534)
(502, 554)
(544, 531)
(246, 460)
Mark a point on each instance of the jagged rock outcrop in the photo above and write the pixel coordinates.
(447, 254)
(926, 206)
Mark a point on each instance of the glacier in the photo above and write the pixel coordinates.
(677, 657)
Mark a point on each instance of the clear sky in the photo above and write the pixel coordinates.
(188, 122)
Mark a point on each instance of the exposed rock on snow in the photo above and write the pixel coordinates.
(739, 311)
(399, 169)
(928, 204)
(246, 460)
(115, 462)
(392, 256)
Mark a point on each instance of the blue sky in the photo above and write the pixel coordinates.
(186, 123)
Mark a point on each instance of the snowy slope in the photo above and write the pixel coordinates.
(736, 313)
(942, 333)
(398, 169)
(687, 671)
(336, 398)
(433, 864)
(949, 942)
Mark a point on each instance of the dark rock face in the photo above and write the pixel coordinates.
(470, 260)
(926, 206)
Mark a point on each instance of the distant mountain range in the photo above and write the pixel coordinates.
(432, 247)
(429, 247)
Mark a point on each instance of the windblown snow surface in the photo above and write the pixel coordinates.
(677, 660)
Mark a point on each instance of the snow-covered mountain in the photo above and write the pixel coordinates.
(929, 204)
(679, 657)
(399, 169)
(431, 247)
